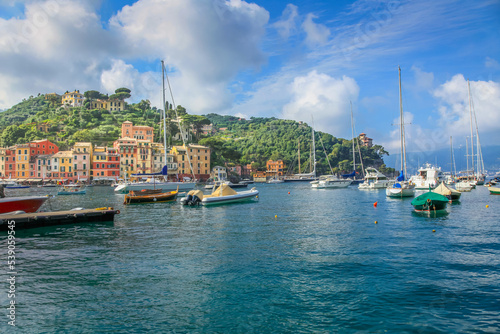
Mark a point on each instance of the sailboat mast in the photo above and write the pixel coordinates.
(353, 149)
(451, 155)
(401, 127)
(467, 153)
(299, 154)
(314, 153)
(164, 107)
(471, 131)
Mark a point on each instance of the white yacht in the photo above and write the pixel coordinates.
(330, 181)
(427, 176)
(375, 180)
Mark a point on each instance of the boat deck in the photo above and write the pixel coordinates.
(41, 219)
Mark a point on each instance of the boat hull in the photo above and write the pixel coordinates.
(27, 204)
(494, 190)
(430, 201)
(400, 192)
(240, 197)
(134, 198)
(243, 196)
(331, 184)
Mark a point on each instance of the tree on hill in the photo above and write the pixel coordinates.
(121, 94)
(11, 135)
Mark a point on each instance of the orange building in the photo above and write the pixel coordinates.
(137, 132)
(105, 164)
(275, 168)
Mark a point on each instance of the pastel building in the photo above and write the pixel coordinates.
(105, 164)
(82, 154)
(129, 130)
(72, 99)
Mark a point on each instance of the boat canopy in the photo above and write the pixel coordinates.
(428, 196)
(442, 189)
(224, 190)
(353, 174)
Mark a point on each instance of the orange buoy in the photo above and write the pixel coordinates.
(288, 193)
(375, 204)
(433, 231)
(376, 222)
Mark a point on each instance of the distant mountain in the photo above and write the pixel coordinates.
(441, 158)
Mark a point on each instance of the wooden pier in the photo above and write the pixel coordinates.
(41, 219)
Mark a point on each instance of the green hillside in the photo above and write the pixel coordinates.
(235, 140)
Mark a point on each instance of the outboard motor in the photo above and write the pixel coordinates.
(193, 198)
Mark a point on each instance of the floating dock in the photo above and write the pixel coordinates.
(41, 219)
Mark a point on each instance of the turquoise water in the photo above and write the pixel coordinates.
(309, 261)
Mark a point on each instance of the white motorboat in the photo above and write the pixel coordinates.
(427, 176)
(330, 181)
(222, 195)
(463, 186)
(275, 180)
(374, 180)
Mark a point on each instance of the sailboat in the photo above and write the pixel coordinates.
(307, 177)
(152, 184)
(302, 177)
(353, 174)
(401, 188)
(328, 181)
(480, 175)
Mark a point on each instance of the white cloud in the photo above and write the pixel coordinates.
(61, 45)
(326, 99)
(317, 34)
(453, 98)
(423, 80)
(288, 22)
(491, 63)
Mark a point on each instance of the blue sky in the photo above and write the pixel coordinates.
(299, 60)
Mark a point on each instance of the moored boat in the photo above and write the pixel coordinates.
(150, 196)
(72, 189)
(451, 194)
(26, 204)
(463, 186)
(428, 176)
(374, 180)
(429, 201)
(330, 181)
(494, 190)
(222, 195)
(401, 188)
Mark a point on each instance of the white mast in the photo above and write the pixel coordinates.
(471, 132)
(299, 154)
(401, 127)
(164, 107)
(314, 152)
(353, 152)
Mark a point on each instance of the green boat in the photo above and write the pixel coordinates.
(494, 190)
(430, 201)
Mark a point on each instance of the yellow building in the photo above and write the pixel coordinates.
(72, 99)
(110, 105)
(127, 148)
(22, 156)
(62, 166)
(199, 156)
